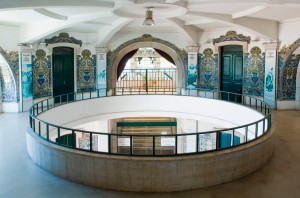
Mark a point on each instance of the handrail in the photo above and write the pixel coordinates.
(248, 132)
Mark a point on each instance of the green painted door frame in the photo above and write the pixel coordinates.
(232, 72)
(63, 71)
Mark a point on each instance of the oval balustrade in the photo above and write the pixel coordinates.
(157, 145)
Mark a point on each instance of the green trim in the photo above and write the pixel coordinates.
(142, 124)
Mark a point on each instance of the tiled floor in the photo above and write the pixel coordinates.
(20, 177)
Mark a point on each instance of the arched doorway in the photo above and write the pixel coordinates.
(146, 41)
(63, 70)
(289, 79)
(147, 70)
(231, 73)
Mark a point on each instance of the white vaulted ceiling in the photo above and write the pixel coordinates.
(38, 19)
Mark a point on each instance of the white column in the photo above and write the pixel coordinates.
(25, 73)
(101, 68)
(192, 72)
(271, 76)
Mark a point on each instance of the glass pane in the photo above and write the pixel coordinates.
(165, 145)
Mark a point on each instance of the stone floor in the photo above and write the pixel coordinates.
(20, 177)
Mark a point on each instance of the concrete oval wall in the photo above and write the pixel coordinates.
(150, 174)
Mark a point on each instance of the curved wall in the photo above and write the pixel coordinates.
(150, 174)
(209, 110)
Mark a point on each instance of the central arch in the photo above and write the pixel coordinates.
(175, 53)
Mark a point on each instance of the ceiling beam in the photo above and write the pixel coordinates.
(31, 4)
(262, 27)
(248, 11)
(198, 21)
(189, 33)
(106, 33)
(171, 1)
(50, 14)
(98, 23)
(195, 4)
(34, 31)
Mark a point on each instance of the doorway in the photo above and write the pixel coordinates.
(232, 72)
(147, 70)
(63, 71)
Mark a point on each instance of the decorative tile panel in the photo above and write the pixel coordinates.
(9, 76)
(84, 142)
(86, 71)
(289, 77)
(41, 72)
(208, 70)
(207, 141)
(254, 71)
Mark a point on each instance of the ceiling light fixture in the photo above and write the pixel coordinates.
(149, 18)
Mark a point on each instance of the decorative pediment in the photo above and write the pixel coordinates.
(63, 38)
(149, 38)
(232, 36)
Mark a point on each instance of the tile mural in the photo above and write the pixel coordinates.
(84, 142)
(254, 71)
(208, 70)
(86, 71)
(289, 77)
(41, 75)
(9, 76)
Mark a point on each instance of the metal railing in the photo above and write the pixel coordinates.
(156, 145)
(148, 80)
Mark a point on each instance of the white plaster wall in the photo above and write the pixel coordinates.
(9, 37)
(191, 126)
(289, 32)
(207, 110)
(174, 38)
(9, 40)
(97, 126)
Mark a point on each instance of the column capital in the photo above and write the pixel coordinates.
(193, 48)
(25, 47)
(271, 45)
(101, 49)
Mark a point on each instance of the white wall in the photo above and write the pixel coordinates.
(289, 32)
(191, 126)
(206, 110)
(9, 37)
(9, 40)
(174, 38)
